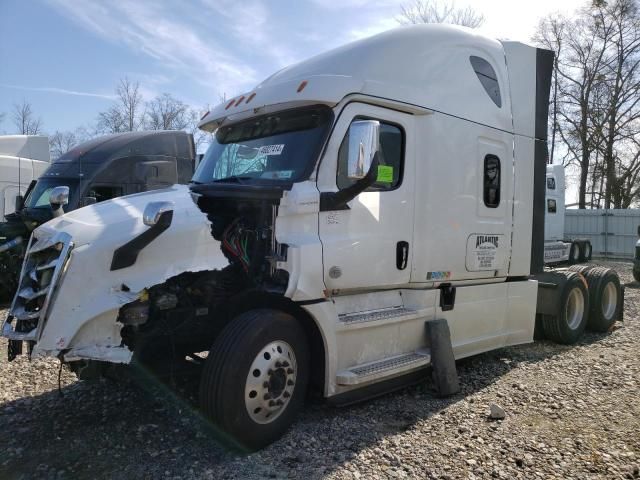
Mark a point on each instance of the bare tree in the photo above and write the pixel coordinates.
(61, 142)
(167, 113)
(25, 121)
(595, 104)
(127, 114)
(201, 138)
(437, 11)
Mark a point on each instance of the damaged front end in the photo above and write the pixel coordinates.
(70, 297)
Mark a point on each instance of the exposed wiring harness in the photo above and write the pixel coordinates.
(236, 241)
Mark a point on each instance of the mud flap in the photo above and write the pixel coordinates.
(443, 363)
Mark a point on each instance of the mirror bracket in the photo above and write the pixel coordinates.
(338, 200)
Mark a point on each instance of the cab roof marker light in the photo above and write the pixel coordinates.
(250, 97)
(229, 104)
(239, 100)
(301, 86)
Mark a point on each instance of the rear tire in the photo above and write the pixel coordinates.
(605, 298)
(569, 323)
(255, 378)
(574, 253)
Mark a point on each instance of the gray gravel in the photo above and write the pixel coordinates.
(570, 412)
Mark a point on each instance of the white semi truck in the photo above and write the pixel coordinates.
(346, 205)
(23, 158)
(558, 248)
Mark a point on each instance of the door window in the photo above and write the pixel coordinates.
(491, 181)
(391, 158)
(551, 205)
(551, 183)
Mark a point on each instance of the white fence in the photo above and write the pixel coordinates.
(613, 233)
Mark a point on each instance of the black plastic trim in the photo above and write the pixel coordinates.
(127, 254)
(544, 67)
(311, 302)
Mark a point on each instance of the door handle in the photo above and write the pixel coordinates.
(402, 254)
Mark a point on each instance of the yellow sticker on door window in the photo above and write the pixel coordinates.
(385, 174)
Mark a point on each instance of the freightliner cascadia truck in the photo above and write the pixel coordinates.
(344, 204)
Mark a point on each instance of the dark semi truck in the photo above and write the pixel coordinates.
(94, 171)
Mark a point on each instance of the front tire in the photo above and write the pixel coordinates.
(255, 379)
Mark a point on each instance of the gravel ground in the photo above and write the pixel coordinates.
(571, 412)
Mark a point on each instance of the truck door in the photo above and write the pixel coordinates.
(368, 244)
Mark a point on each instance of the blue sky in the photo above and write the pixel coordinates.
(65, 57)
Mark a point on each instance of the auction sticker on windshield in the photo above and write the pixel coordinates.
(278, 175)
(271, 149)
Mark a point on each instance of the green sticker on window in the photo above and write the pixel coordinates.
(385, 174)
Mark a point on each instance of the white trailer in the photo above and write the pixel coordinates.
(23, 158)
(346, 205)
(558, 247)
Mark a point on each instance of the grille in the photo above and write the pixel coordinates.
(41, 270)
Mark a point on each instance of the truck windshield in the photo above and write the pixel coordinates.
(39, 196)
(282, 146)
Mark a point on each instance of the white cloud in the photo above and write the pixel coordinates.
(61, 91)
(148, 28)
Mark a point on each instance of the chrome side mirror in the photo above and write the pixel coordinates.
(59, 196)
(154, 210)
(363, 145)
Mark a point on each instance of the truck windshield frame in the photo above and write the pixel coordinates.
(280, 147)
(39, 196)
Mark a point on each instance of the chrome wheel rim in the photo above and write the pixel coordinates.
(609, 300)
(574, 308)
(270, 382)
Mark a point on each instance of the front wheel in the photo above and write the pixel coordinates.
(255, 378)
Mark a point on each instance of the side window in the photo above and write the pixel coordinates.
(551, 183)
(488, 78)
(102, 193)
(491, 181)
(551, 205)
(391, 157)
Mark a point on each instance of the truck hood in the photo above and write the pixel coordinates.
(119, 218)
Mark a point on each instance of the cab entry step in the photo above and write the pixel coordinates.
(443, 363)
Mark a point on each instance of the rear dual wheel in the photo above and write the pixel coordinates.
(605, 295)
(568, 325)
(254, 381)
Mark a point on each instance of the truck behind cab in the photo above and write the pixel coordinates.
(23, 158)
(345, 204)
(558, 247)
